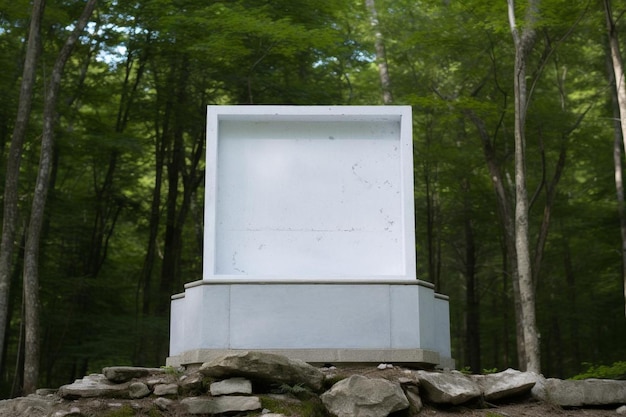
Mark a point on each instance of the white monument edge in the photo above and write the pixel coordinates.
(401, 114)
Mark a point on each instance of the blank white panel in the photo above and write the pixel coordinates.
(303, 196)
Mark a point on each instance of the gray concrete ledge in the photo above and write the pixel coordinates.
(263, 281)
(409, 357)
(308, 281)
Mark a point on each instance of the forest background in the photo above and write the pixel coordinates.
(124, 131)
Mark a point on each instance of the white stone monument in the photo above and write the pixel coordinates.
(309, 243)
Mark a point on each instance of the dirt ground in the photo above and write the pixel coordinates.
(526, 409)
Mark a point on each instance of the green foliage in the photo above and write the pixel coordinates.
(615, 371)
(292, 389)
(128, 168)
(299, 391)
(172, 370)
(466, 370)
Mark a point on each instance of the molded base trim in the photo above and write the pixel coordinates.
(409, 357)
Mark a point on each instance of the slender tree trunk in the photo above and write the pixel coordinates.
(182, 169)
(620, 88)
(572, 306)
(504, 302)
(144, 287)
(523, 44)
(31, 250)
(472, 295)
(619, 188)
(175, 165)
(381, 54)
(155, 216)
(505, 213)
(145, 279)
(432, 237)
(547, 212)
(10, 209)
(430, 174)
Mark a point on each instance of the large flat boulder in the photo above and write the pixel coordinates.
(231, 386)
(120, 374)
(588, 392)
(505, 384)
(94, 385)
(31, 406)
(265, 367)
(359, 396)
(448, 387)
(220, 405)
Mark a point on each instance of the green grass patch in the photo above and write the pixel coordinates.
(614, 371)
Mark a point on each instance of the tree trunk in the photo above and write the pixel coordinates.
(523, 44)
(472, 297)
(572, 305)
(433, 237)
(381, 54)
(144, 286)
(10, 214)
(175, 165)
(619, 189)
(505, 213)
(620, 88)
(31, 250)
(547, 212)
(155, 217)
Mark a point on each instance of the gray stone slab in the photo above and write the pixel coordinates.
(231, 386)
(448, 387)
(95, 385)
(362, 396)
(126, 373)
(264, 366)
(505, 384)
(166, 389)
(219, 405)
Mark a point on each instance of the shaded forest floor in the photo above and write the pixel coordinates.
(523, 409)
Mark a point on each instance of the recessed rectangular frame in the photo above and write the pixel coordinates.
(309, 193)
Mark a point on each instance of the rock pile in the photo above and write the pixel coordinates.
(257, 383)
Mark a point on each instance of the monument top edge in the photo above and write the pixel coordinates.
(263, 281)
(226, 112)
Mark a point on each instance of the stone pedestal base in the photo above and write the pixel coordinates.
(339, 322)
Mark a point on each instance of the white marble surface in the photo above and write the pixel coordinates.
(309, 192)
